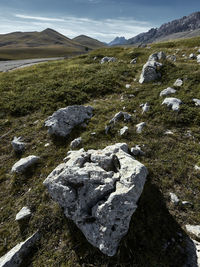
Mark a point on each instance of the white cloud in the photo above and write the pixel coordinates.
(71, 26)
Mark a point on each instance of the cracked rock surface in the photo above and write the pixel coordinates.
(99, 190)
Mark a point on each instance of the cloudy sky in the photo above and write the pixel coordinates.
(101, 19)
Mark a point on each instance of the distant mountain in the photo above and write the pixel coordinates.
(118, 41)
(88, 42)
(45, 38)
(187, 26)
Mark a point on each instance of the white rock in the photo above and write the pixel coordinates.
(172, 102)
(64, 120)
(133, 61)
(178, 83)
(17, 144)
(192, 56)
(197, 168)
(46, 145)
(24, 163)
(123, 131)
(136, 151)
(99, 190)
(23, 214)
(119, 116)
(196, 101)
(108, 59)
(157, 56)
(145, 107)
(16, 255)
(168, 132)
(149, 72)
(198, 59)
(167, 91)
(128, 86)
(174, 199)
(140, 127)
(76, 142)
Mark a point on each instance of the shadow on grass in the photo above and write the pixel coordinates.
(154, 238)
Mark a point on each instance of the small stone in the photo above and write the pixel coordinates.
(196, 101)
(119, 116)
(174, 199)
(172, 58)
(136, 151)
(197, 168)
(75, 143)
(128, 86)
(93, 133)
(168, 132)
(178, 83)
(193, 229)
(123, 131)
(24, 163)
(192, 56)
(187, 204)
(140, 127)
(133, 61)
(24, 213)
(46, 145)
(17, 144)
(167, 91)
(172, 102)
(145, 107)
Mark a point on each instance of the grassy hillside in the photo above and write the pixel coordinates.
(156, 236)
(88, 41)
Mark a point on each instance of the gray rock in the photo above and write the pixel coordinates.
(157, 56)
(123, 131)
(136, 151)
(140, 127)
(133, 61)
(171, 58)
(192, 56)
(24, 163)
(99, 190)
(168, 132)
(198, 59)
(120, 116)
(197, 168)
(17, 144)
(193, 253)
(178, 83)
(108, 59)
(16, 255)
(193, 229)
(196, 101)
(145, 107)
(174, 199)
(64, 120)
(187, 204)
(76, 142)
(150, 72)
(24, 213)
(167, 91)
(198, 51)
(128, 86)
(172, 102)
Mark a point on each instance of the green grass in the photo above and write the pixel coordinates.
(30, 95)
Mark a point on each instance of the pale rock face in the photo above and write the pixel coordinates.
(196, 101)
(17, 144)
(123, 131)
(140, 127)
(172, 102)
(167, 91)
(174, 199)
(193, 229)
(108, 59)
(24, 163)
(178, 83)
(76, 142)
(99, 190)
(16, 255)
(24, 213)
(63, 121)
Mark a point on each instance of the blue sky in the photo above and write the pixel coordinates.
(101, 19)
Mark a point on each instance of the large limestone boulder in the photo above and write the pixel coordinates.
(23, 164)
(99, 190)
(150, 72)
(16, 255)
(64, 120)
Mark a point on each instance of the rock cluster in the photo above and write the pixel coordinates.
(99, 190)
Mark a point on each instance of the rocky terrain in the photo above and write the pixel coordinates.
(100, 159)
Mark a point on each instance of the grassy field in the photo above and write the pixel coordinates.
(30, 95)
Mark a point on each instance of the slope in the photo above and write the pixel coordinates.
(88, 41)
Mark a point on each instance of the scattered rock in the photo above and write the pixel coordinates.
(171, 58)
(123, 131)
(23, 164)
(64, 120)
(198, 59)
(145, 107)
(46, 145)
(133, 61)
(193, 229)
(167, 91)
(168, 132)
(17, 255)
(197, 168)
(172, 102)
(76, 142)
(157, 56)
(174, 199)
(178, 83)
(140, 127)
(192, 56)
(196, 101)
(128, 86)
(99, 190)
(119, 116)
(108, 59)
(24, 213)
(187, 204)
(150, 72)
(136, 151)
(18, 145)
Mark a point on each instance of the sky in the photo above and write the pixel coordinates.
(100, 19)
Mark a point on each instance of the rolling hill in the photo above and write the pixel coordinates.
(88, 41)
